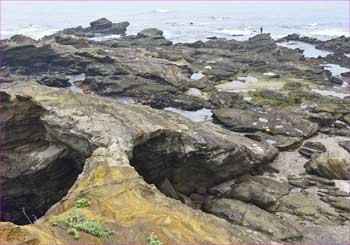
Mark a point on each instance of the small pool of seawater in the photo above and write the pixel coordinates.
(310, 51)
(336, 70)
(247, 79)
(197, 76)
(330, 93)
(196, 116)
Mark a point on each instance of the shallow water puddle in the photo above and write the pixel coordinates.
(330, 93)
(197, 76)
(310, 51)
(75, 78)
(247, 79)
(196, 116)
(336, 70)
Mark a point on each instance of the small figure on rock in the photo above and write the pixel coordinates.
(261, 30)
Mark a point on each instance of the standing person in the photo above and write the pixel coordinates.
(261, 30)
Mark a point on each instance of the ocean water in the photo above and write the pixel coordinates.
(182, 21)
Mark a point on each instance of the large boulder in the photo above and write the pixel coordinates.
(330, 166)
(261, 191)
(101, 24)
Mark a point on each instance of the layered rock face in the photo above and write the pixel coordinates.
(263, 157)
(69, 128)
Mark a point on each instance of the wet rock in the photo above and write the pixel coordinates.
(330, 166)
(297, 37)
(252, 217)
(345, 74)
(151, 32)
(339, 44)
(310, 148)
(71, 40)
(261, 191)
(336, 80)
(274, 123)
(99, 24)
(59, 82)
(345, 144)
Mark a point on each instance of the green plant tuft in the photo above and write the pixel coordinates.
(76, 221)
(94, 228)
(152, 239)
(82, 202)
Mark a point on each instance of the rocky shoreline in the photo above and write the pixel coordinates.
(259, 153)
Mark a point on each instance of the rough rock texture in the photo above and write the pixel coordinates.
(310, 148)
(263, 192)
(253, 217)
(58, 145)
(106, 132)
(100, 26)
(269, 122)
(330, 166)
(58, 82)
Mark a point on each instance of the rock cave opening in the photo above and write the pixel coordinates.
(27, 198)
(37, 170)
(177, 168)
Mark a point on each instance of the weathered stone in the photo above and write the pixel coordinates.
(308, 209)
(274, 123)
(330, 166)
(309, 148)
(252, 217)
(261, 191)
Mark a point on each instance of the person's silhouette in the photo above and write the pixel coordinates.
(261, 30)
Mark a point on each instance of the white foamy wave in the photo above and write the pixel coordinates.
(104, 38)
(330, 32)
(35, 32)
(233, 32)
(161, 11)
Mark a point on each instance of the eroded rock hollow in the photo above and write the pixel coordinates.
(37, 169)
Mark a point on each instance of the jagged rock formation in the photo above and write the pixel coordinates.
(107, 134)
(145, 170)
